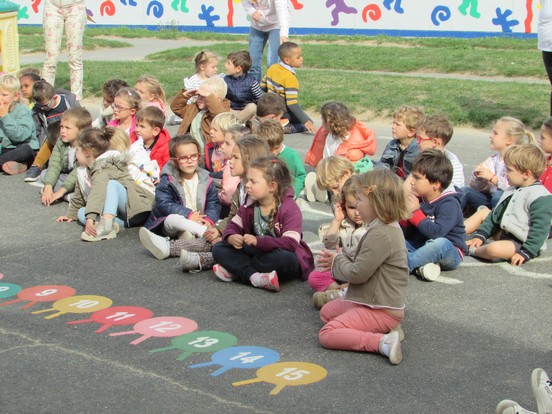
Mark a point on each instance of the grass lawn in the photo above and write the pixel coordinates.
(365, 72)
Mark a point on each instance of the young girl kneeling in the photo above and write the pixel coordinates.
(263, 242)
(377, 275)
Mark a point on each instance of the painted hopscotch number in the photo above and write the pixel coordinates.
(242, 357)
(162, 326)
(200, 341)
(77, 304)
(45, 293)
(116, 315)
(7, 290)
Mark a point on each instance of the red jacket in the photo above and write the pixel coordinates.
(361, 142)
(160, 151)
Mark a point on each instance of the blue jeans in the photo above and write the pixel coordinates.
(257, 43)
(440, 251)
(474, 198)
(115, 203)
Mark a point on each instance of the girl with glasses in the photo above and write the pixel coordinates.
(125, 105)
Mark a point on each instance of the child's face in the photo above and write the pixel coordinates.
(365, 209)
(236, 164)
(228, 145)
(186, 159)
(351, 209)
(515, 177)
(68, 130)
(26, 87)
(257, 187)
(424, 141)
(210, 68)
(499, 139)
(337, 186)
(107, 100)
(84, 157)
(546, 140)
(216, 135)
(121, 110)
(275, 150)
(144, 93)
(295, 60)
(232, 70)
(400, 131)
(421, 185)
(8, 98)
(146, 131)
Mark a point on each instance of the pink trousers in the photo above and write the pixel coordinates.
(319, 281)
(353, 327)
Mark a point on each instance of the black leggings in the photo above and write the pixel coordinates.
(23, 154)
(547, 59)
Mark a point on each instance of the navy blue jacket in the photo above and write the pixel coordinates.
(242, 90)
(170, 198)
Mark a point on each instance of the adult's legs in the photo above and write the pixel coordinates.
(273, 46)
(53, 31)
(75, 22)
(257, 43)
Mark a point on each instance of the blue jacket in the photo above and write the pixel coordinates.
(392, 152)
(170, 198)
(242, 90)
(441, 217)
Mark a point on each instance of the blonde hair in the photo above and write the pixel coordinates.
(215, 86)
(348, 189)
(272, 131)
(251, 147)
(337, 118)
(332, 169)
(203, 58)
(119, 141)
(409, 115)
(131, 97)
(10, 83)
(225, 120)
(154, 86)
(386, 194)
(526, 157)
(516, 130)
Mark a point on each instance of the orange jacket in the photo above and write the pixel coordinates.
(361, 142)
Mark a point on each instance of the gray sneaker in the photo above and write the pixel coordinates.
(429, 272)
(189, 261)
(159, 246)
(32, 174)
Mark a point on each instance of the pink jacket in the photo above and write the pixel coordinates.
(361, 142)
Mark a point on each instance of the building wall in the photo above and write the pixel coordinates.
(458, 18)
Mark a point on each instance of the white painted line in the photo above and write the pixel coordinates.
(520, 271)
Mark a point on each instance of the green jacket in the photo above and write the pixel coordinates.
(17, 128)
(58, 164)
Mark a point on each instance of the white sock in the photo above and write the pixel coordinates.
(384, 347)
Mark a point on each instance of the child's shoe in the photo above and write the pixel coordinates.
(32, 174)
(542, 389)
(268, 281)
(399, 330)
(511, 407)
(429, 272)
(106, 229)
(159, 246)
(310, 184)
(195, 262)
(321, 298)
(222, 273)
(390, 346)
(13, 167)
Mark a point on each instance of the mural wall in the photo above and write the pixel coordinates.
(460, 18)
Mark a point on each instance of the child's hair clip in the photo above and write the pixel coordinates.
(371, 189)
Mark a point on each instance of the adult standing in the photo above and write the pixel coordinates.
(545, 39)
(70, 14)
(270, 22)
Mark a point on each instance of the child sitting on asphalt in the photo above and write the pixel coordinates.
(198, 115)
(345, 232)
(273, 132)
(151, 92)
(243, 88)
(18, 141)
(186, 199)
(520, 222)
(269, 106)
(368, 317)
(263, 245)
(109, 90)
(105, 189)
(215, 159)
(152, 135)
(126, 104)
(435, 234)
(58, 179)
(282, 79)
(400, 152)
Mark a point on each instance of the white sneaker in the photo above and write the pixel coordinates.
(429, 272)
(222, 273)
(159, 246)
(310, 184)
(189, 261)
(390, 346)
(511, 407)
(542, 389)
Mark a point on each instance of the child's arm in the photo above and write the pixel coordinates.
(481, 176)
(291, 231)
(229, 186)
(52, 174)
(292, 102)
(331, 238)
(167, 200)
(77, 201)
(540, 217)
(18, 125)
(180, 100)
(216, 105)
(446, 217)
(256, 91)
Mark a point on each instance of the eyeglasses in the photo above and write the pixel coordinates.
(185, 158)
(118, 108)
(420, 139)
(45, 107)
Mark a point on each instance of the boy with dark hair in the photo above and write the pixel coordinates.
(50, 104)
(281, 78)
(109, 90)
(269, 106)
(272, 131)
(150, 123)
(435, 234)
(243, 88)
(523, 213)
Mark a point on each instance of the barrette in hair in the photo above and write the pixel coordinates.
(371, 189)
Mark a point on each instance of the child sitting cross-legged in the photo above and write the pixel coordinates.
(152, 135)
(520, 222)
(344, 232)
(263, 245)
(186, 199)
(367, 318)
(435, 234)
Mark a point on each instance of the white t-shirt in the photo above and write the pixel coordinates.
(545, 26)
